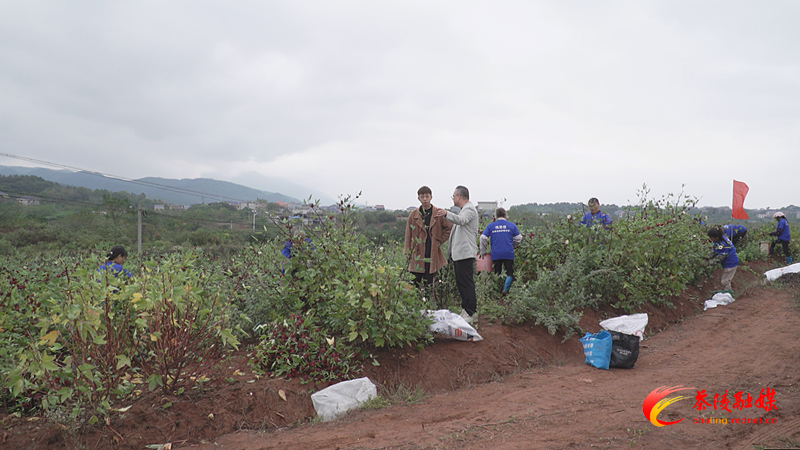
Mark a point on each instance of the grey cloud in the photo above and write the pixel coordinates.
(191, 86)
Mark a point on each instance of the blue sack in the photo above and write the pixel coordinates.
(597, 348)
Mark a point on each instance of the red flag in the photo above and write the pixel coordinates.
(739, 193)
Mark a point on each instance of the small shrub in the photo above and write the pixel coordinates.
(6, 248)
(356, 290)
(297, 347)
(80, 337)
(645, 257)
(183, 321)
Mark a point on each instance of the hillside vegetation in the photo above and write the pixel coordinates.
(74, 340)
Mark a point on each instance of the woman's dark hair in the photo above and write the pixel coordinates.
(715, 233)
(116, 251)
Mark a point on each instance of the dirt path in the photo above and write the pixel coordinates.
(747, 346)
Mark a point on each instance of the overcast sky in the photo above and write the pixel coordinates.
(526, 101)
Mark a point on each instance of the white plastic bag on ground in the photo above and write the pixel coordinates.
(633, 324)
(339, 398)
(452, 325)
(774, 274)
(720, 298)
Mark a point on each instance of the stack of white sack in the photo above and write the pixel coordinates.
(633, 324)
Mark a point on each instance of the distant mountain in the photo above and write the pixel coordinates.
(206, 190)
(288, 187)
(66, 177)
(178, 192)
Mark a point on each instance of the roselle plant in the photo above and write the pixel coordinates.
(297, 347)
(183, 321)
(85, 335)
(646, 256)
(357, 291)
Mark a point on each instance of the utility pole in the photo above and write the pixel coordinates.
(254, 220)
(139, 214)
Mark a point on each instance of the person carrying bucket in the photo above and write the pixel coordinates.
(503, 237)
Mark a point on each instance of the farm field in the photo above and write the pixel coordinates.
(519, 388)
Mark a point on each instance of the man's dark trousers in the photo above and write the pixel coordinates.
(466, 285)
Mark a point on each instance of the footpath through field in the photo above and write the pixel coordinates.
(748, 347)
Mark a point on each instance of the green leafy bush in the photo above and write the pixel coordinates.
(182, 318)
(650, 254)
(359, 291)
(77, 336)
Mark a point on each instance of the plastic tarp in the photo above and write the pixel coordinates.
(452, 325)
(720, 298)
(337, 399)
(633, 324)
(774, 274)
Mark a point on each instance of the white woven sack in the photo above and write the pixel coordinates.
(720, 298)
(633, 324)
(337, 399)
(774, 274)
(452, 325)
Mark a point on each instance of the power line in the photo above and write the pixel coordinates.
(124, 179)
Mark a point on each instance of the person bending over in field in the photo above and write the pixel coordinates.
(724, 252)
(784, 236)
(735, 233)
(289, 251)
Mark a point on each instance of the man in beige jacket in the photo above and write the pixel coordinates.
(424, 234)
(463, 248)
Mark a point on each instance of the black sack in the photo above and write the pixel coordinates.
(624, 350)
